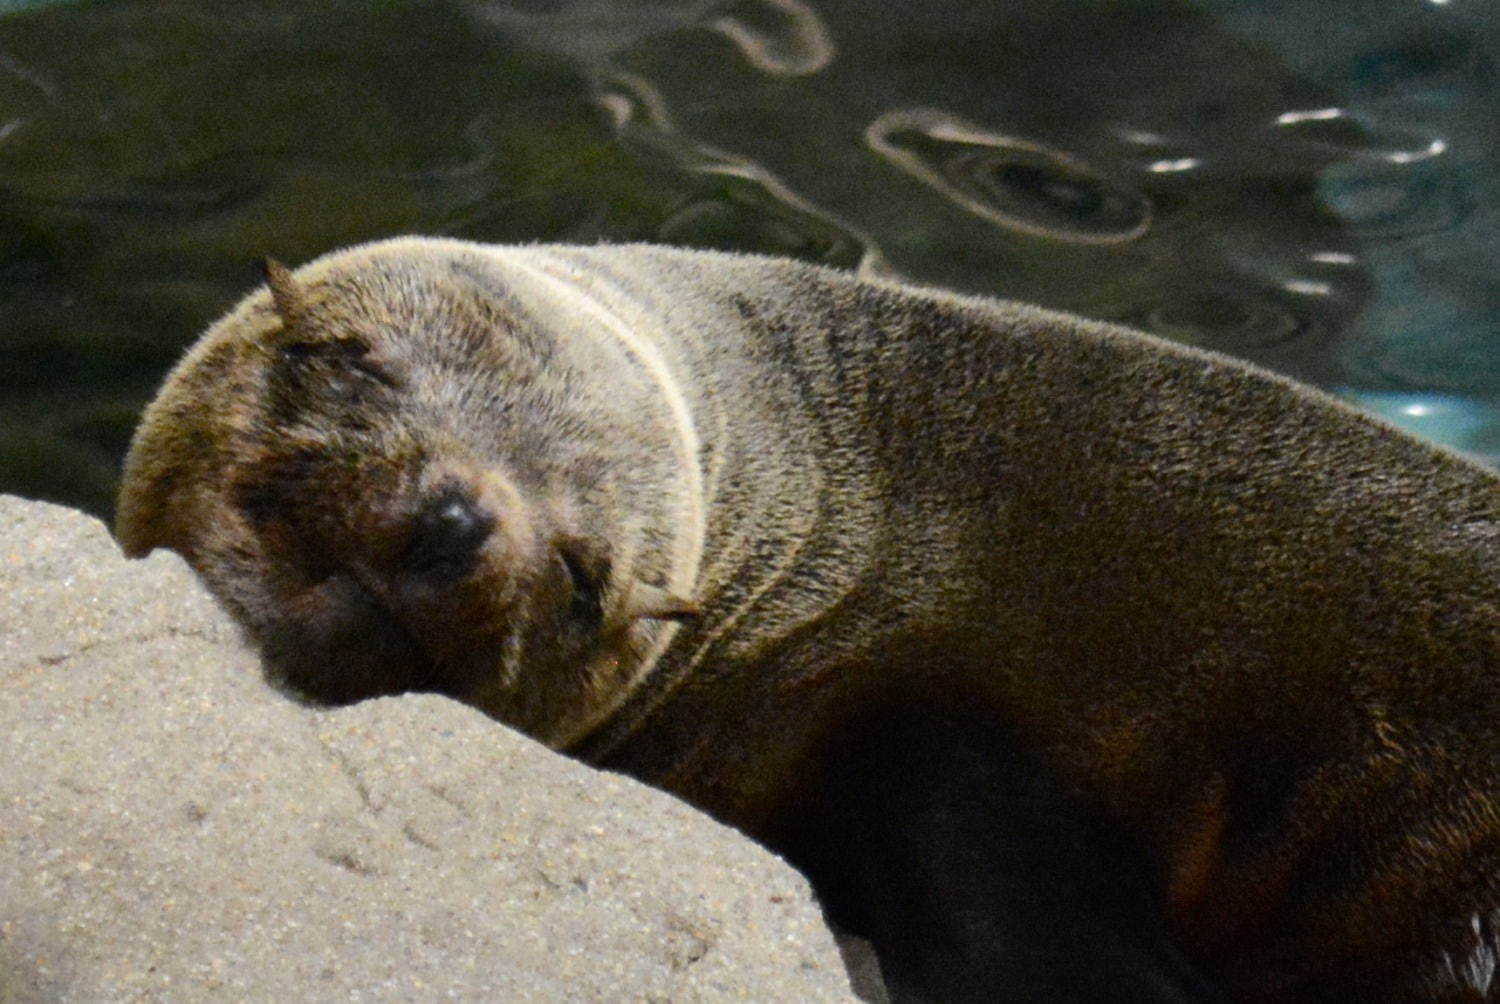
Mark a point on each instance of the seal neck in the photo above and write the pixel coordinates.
(605, 313)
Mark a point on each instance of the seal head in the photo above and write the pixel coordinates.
(400, 479)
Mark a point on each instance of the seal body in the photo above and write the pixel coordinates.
(1069, 662)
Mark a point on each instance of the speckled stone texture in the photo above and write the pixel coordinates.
(173, 829)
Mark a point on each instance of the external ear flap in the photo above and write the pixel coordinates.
(160, 462)
(650, 603)
(286, 294)
(136, 517)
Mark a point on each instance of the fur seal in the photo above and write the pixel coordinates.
(1069, 662)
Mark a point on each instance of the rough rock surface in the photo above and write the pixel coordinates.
(171, 828)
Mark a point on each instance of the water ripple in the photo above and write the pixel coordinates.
(1013, 182)
(590, 31)
(1463, 423)
(736, 203)
(200, 191)
(1396, 200)
(15, 68)
(784, 38)
(1425, 62)
(781, 37)
(1339, 131)
(1229, 319)
(1456, 355)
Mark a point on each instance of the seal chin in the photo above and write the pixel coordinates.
(337, 645)
(342, 642)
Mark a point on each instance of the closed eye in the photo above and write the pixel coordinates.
(586, 605)
(350, 354)
(380, 372)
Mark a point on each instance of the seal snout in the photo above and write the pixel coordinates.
(447, 534)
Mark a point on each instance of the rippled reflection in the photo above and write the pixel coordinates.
(1317, 194)
(1227, 319)
(778, 37)
(734, 203)
(1429, 59)
(1465, 424)
(1009, 181)
(781, 37)
(1393, 202)
(1337, 130)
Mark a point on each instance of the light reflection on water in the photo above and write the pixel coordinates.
(1315, 192)
(1471, 427)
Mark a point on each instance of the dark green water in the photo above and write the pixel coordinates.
(1313, 186)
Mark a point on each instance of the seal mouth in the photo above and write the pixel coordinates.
(340, 645)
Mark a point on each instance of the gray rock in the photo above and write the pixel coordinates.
(174, 829)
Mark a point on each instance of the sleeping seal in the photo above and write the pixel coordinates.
(1068, 662)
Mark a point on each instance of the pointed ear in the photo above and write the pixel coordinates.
(286, 294)
(651, 603)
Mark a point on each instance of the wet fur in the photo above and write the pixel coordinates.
(1234, 642)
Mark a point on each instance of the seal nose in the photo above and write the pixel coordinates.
(447, 535)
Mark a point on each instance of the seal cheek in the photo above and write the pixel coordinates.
(336, 644)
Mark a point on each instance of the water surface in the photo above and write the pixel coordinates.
(1309, 186)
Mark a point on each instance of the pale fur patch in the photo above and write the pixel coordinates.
(690, 543)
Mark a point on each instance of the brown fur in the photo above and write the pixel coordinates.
(1248, 629)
